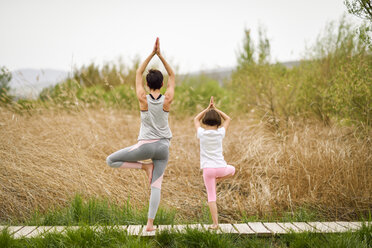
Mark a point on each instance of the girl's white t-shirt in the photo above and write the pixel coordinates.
(211, 147)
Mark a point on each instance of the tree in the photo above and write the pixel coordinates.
(246, 54)
(5, 77)
(360, 8)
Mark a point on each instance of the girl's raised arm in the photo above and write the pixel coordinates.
(199, 116)
(225, 117)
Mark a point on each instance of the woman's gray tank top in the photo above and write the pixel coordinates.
(154, 121)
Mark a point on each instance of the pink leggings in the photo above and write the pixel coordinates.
(210, 175)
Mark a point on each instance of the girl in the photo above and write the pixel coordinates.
(155, 134)
(212, 161)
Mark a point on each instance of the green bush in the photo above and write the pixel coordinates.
(334, 81)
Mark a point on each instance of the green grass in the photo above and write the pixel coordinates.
(94, 211)
(114, 237)
(100, 211)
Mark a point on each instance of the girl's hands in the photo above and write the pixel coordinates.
(211, 103)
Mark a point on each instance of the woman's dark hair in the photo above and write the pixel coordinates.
(154, 79)
(212, 118)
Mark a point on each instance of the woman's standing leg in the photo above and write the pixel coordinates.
(160, 161)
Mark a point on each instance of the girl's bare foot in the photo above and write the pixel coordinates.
(148, 168)
(213, 227)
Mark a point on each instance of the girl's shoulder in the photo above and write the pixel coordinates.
(222, 131)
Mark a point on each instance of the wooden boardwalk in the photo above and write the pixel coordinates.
(250, 228)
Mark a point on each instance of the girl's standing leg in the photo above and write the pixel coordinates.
(210, 175)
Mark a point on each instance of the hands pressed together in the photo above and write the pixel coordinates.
(156, 49)
(211, 103)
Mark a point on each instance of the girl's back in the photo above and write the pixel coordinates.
(211, 151)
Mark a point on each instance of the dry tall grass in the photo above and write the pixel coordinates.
(47, 157)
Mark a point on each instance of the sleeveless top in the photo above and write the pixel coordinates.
(154, 121)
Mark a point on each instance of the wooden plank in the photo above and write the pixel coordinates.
(336, 227)
(274, 227)
(227, 228)
(289, 227)
(348, 225)
(134, 229)
(13, 229)
(304, 226)
(243, 229)
(359, 224)
(223, 228)
(24, 231)
(164, 227)
(196, 226)
(258, 228)
(57, 229)
(320, 227)
(180, 228)
(38, 231)
(70, 228)
(122, 227)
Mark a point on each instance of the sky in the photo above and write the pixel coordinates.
(194, 34)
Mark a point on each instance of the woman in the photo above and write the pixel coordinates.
(155, 134)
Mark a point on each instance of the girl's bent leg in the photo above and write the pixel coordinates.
(225, 173)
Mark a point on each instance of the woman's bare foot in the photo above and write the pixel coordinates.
(148, 168)
(213, 227)
(150, 225)
(150, 228)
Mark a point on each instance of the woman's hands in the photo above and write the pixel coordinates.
(156, 49)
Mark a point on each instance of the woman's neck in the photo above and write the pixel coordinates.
(155, 93)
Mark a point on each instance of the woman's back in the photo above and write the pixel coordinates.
(154, 121)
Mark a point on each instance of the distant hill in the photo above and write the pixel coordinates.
(222, 74)
(28, 83)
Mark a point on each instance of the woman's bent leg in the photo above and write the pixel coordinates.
(128, 157)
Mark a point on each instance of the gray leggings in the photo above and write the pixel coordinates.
(158, 152)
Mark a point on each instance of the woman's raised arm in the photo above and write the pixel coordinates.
(169, 94)
(140, 90)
